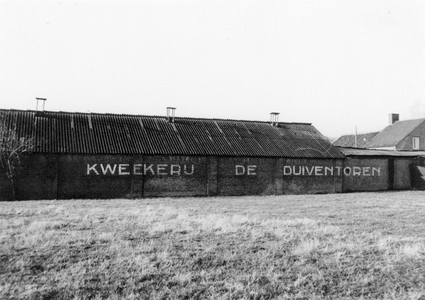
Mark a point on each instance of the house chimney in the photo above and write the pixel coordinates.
(171, 114)
(394, 118)
(274, 118)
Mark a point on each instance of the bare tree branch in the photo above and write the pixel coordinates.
(12, 146)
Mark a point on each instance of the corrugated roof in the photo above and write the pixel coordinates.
(93, 133)
(373, 152)
(350, 140)
(393, 134)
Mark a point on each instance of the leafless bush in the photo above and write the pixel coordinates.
(11, 148)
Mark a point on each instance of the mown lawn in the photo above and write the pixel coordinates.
(342, 246)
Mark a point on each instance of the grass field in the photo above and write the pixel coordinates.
(341, 246)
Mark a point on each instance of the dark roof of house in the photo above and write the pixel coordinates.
(93, 133)
(350, 140)
(393, 134)
(373, 152)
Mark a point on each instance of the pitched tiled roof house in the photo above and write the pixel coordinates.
(407, 135)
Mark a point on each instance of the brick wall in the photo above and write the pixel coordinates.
(362, 174)
(117, 176)
(418, 174)
(312, 176)
(245, 176)
(402, 176)
(93, 176)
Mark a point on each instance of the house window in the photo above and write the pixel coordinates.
(415, 143)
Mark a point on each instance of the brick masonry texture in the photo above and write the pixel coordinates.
(53, 176)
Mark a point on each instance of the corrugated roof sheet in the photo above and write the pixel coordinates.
(393, 134)
(92, 133)
(350, 140)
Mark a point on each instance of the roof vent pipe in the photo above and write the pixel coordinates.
(274, 118)
(171, 114)
(43, 103)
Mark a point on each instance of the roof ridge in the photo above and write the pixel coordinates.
(416, 119)
(353, 134)
(154, 116)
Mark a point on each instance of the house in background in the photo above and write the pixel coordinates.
(408, 135)
(354, 141)
(405, 135)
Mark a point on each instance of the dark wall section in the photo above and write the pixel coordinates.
(117, 176)
(312, 176)
(37, 177)
(6, 192)
(93, 176)
(171, 176)
(418, 174)
(212, 187)
(245, 176)
(360, 175)
(402, 176)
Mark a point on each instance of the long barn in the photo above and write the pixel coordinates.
(90, 155)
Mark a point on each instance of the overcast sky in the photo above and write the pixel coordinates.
(336, 64)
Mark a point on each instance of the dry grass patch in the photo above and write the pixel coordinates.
(345, 246)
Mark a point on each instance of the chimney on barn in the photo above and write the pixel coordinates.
(171, 111)
(274, 118)
(394, 118)
(43, 100)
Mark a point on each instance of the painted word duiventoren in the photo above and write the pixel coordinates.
(330, 171)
